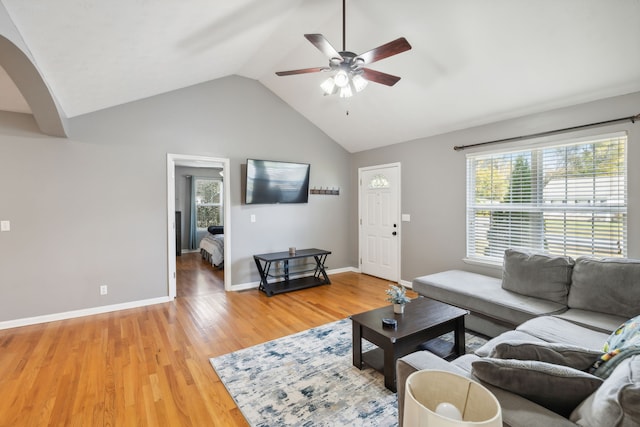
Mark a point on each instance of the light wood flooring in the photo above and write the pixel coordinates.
(150, 366)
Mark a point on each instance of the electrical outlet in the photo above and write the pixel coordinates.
(103, 289)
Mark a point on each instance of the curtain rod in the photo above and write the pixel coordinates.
(550, 132)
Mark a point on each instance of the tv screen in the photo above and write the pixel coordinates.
(277, 182)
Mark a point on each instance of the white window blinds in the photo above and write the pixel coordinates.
(565, 199)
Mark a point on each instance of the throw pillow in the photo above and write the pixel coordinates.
(559, 354)
(537, 275)
(617, 402)
(558, 388)
(606, 285)
(626, 335)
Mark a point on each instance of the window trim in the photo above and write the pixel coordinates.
(220, 204)
(540, 143)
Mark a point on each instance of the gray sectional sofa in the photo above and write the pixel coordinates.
(547, 305)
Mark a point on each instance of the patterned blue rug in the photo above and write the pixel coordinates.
(307, 379)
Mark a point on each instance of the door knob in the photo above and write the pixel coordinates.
(394, 233)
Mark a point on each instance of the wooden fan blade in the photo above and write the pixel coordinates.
(379, 77)
(301, 71)
(323, 45)
(386, 50)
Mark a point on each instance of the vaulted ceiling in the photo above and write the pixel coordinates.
(472, 62)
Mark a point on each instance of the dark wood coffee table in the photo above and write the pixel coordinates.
(423, 320)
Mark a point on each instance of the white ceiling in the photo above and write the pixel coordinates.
(472, 62)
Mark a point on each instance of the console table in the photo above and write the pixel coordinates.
(264, 262)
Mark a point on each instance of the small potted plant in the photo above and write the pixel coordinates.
(398, 296)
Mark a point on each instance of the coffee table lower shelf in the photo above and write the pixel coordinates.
(444, 349)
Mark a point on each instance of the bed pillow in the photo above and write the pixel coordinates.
(580, 358)
(215, 229)
(557, 388)
(537, 275)
(617, 402)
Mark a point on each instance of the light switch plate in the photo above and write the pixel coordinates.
(5, 226)
(406, 217)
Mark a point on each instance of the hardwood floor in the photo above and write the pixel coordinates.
(150, 366)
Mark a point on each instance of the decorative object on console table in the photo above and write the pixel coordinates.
(398, 296)
(286, 283)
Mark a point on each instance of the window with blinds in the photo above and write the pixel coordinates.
(566, 199)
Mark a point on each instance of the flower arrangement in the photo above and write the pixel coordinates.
(397, 294)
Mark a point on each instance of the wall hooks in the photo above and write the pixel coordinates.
(333, 191)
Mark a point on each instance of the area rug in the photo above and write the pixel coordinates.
(308, 379)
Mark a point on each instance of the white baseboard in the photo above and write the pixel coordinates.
(80, 313)
(8, 324)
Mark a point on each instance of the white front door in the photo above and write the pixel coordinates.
(379, 221)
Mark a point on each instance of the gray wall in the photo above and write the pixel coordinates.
(92, 209)
(433, 182)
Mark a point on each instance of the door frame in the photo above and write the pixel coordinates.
(399, 213)
(172, 159)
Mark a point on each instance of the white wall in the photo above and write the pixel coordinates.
(92, 209)
(434, 191)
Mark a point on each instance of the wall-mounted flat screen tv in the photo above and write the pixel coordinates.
(276, 182)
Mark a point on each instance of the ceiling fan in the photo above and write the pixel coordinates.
(350, 71)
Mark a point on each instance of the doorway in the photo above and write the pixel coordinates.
(379, 213)
(173, 161)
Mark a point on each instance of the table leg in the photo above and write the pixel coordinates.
(459, 346)
(264, 274)
(320, 268)
(389, 367)
(357, 345)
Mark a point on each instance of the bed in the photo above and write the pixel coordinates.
(212, 246)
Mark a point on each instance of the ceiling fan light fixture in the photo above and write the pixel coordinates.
(328, 86)
(341, 79)
(346, 92)
(359, 82)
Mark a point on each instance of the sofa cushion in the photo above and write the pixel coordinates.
(554, 329)
(617, 402)
(601, 322)
(537, 275)
(556, 353)
(558, 388)
(607, 285)
(483, 295)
